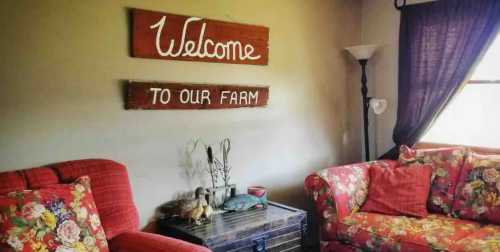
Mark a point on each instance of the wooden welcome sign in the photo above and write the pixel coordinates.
(175, 37)
(144, 95)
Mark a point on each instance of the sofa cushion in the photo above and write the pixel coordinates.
(61, 217)
(399, 191)
(378, 232)
(447, 164)
(478, 190)
(487, 239)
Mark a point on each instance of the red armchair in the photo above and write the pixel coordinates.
(142, 241)
(113, 198)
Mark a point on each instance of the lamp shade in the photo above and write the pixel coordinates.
(378, 105)
(362, 52)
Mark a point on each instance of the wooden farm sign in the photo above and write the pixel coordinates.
(175, 37)
(144, 95)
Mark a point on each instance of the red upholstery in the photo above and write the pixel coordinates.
(403, 190)
(142, 241)
(112, 195)
(110, 186)
(39, 177)
(337, 191)
(336, 246)
(378, 232)
(11, 181)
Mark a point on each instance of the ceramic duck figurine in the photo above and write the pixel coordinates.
(197, 212)
(244, 202)
(208, 211)
(183, 208)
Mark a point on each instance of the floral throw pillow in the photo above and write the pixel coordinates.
(478, 189)
(447, 163)
(60, 218)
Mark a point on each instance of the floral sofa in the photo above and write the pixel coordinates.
(113, 200)
(463, 206)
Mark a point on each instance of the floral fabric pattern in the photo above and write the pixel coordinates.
(60, 218)
(478, 189)
(340, 191)
(325, 206)
(487, 239)
(447, 163)
(346, 185)
(377, 232)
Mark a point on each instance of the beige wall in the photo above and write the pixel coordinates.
(63, 64)
(380, 25)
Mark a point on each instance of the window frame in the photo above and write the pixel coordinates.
(483, 82)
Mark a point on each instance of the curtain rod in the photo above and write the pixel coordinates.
(397, 6)
(400, 4)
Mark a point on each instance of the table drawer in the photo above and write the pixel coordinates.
(287, 242)
(280, 240)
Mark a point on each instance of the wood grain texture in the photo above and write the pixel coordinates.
(144, 38)
(281, 227)
(477, 149)
(145, 95)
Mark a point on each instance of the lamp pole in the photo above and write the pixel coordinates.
(366, 104)
(362, 53)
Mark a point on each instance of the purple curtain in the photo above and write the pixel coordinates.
(439, 42)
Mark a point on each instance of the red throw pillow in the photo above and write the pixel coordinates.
(59, 218)
(399, 191)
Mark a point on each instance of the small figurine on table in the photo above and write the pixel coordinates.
(188, 209)
(244, 202)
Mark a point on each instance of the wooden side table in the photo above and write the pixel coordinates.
(275, 228)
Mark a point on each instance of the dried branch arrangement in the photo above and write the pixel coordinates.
(220, 169)
(212, 168)
(217, 167)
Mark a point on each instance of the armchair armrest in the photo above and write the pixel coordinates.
(340, 190)
(142, 241)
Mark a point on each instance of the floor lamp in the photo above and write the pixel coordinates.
(362, 53)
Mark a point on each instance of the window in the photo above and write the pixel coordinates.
(473, 116)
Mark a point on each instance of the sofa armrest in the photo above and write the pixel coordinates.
(142, 241)
(340, 190)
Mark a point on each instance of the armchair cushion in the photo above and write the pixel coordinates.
(111, 189)
(142, 241)
(11, 181)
